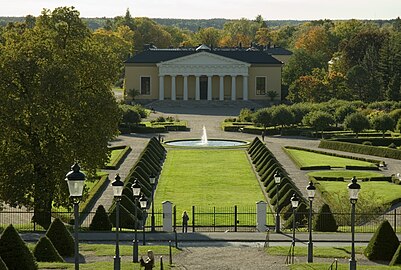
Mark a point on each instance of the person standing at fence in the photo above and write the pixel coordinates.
(185, 219)
(263, 135)
(149, 261)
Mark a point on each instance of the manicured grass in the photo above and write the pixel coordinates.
(207, 179)
(322, 252)
(115, 154)
(307, 159)
(320, 266)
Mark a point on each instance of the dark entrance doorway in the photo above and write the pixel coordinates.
(203, 87)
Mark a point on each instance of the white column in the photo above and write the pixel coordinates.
(197, 90)
(167, 216)
(185, 87)
(209, 87)
(261, 208)
(221, 93)
(245, 87)
(173, 95)
(233, 88)
(161, 87)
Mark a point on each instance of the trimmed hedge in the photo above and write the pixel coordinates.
(117, 162)
(87, 205)
(376, 141)
(100, 221)
(14, 251)
(396, 260)
(360, 168)
(324, 220)
(3, 266)
(383, 244)
(45, 251)
(61, 238)
(321, 167)
(360, 149)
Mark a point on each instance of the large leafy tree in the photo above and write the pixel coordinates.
(357, 122)
(57, 107)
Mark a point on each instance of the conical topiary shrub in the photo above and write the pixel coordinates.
(61, 238)
(44, 251)
(383, 245)
(100, 221)
(396, 260)
(3, 266)
(324, 220)
(14, 252)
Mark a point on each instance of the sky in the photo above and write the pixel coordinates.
(207, 9)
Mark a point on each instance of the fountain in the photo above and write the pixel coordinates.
(205, 142)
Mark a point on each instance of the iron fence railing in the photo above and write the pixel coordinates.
(212, 219)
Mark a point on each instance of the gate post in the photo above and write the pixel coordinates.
(167, 216)
(261, 208)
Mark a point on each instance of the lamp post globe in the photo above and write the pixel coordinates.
(136, 191)
(75, 180)
(353, 189)
(118, 187)
(311, 190)
(277, 180)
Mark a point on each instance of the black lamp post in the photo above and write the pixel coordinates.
(277, 180)
(143, 203)
(152, 180)
(311, 189)
(118, 187)
(75, 180)
(136, 190)
(353, 189)
(294, 204)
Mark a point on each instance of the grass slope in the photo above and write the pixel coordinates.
(306, 159)
(207, 178)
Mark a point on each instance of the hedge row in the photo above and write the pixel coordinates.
(149, 162)
(117, 162)
(266, 165)
(366, 179)
(360, 149)
(375, 161)
(126, 129)
(377, 140)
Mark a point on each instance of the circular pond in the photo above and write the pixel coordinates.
(208, 143)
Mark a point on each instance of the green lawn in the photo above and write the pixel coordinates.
(115, 154)
(346, 174)
(321, 252)
(207, 179)
(306, 159)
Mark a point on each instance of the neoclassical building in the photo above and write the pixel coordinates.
(205, 73)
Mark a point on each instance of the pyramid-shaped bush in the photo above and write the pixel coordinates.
(324, 220)
(61, 238)
(44, 251)
(383, 245)
(396, 260)
(14, 252)
(100, 221)
(3, 266)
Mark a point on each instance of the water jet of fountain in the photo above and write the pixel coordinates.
(204, 137)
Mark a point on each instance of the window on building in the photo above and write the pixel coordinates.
(260, 86)
(145, 85)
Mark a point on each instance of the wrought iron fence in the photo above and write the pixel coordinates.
(213, 219)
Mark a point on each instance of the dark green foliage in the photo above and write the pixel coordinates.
(14, 252)
(100, 221)
(383, 244)
(3, 266)
(393, 146)
(324, 220)
(301, 216)
(283, 189)
(127, 220)
(396, 257)
(45, 251)
(61, 238)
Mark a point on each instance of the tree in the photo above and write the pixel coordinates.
(342, 112)
(282, 115)
(319, 120)
(308, 88)
(55, 83)
(357, 78)
(263, 117)
(383, 244)
(383, 122)
(357, 122)
(209, 36)
(100, 221)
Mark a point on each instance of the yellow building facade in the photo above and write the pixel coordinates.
(204, 74)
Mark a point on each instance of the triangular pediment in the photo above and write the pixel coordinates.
(203, 58)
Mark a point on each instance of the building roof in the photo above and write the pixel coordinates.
(154, 55)
(278, 51)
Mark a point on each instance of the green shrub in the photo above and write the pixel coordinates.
(100, 221)
(45, 251)
(383, 244)
(301, 216)
(127, 220)
(367, 143)
(396, 260)
(160, 119)
(392, 146)
(61, 238)
(14, 252)
(324, 220)
(3, 266)
(245, 115)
